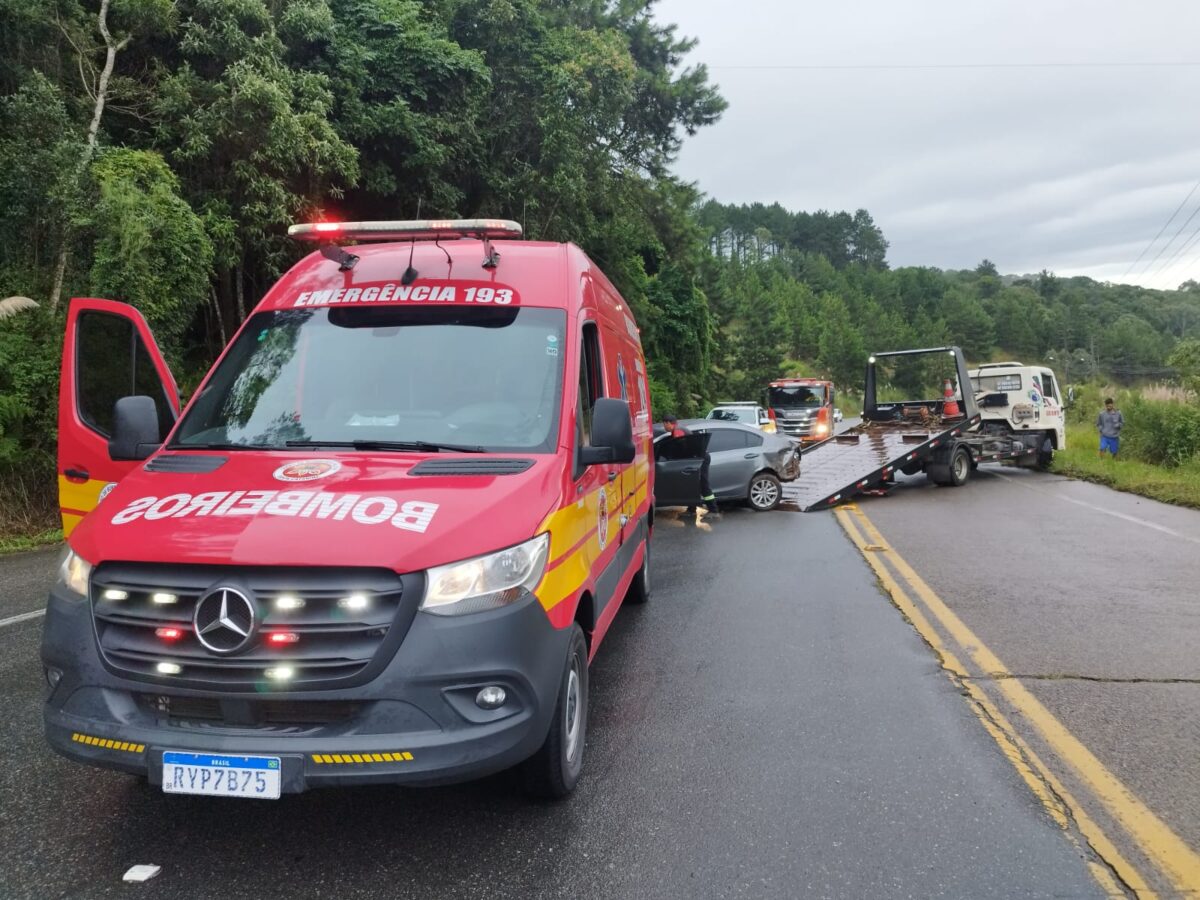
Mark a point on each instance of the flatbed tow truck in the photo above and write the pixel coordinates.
(946, 438)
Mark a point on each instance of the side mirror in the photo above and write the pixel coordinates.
(135, 429)
(612, 434)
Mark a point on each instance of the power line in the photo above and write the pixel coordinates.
(1179, 255)
(1146, 249)
(1034, 65)
(1178, 232)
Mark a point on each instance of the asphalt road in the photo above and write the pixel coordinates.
(1089, 597)
(768, 726)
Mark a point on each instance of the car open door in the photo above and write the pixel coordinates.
(108, 353)
(677, 464)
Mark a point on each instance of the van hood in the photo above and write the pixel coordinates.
(400, 511)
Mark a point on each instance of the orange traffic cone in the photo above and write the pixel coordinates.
(949, 404)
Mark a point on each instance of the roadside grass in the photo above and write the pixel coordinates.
(17, 542)
(1179, 485)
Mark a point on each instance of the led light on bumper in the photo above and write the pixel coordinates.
(486, 582)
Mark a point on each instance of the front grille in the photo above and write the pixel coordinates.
(341, 625)
(191, 711)
(796, 427)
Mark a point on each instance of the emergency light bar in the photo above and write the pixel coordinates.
(406, 230)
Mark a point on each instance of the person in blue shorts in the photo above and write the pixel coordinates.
(1109, 423)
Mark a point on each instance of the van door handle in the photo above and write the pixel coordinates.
(690, 471)
(79, 474)
(751, 455)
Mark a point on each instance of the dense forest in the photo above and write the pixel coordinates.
(154, 151)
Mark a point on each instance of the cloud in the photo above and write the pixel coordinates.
(1068, 168)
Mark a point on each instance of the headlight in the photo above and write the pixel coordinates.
(74, 572)
(486, 582)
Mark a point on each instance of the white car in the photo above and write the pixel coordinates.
(837, 415)
(746, 413)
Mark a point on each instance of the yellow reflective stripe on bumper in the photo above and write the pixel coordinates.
(107, 743)
(361, 758)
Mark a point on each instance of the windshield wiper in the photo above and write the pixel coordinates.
(413, 446)
(219, 445)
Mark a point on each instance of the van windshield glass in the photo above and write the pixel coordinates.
(486, 378)
(797, 397)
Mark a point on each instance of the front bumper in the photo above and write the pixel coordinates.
(415, 723)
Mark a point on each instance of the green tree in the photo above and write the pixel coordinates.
(841, 350)
(150, 248)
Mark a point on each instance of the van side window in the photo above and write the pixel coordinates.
(112, 362)
(591, 382)
(1048, 387)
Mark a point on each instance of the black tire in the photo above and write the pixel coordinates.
(639, 588)
(553, 772)
(955, 471)
(765, 492)
(1045, 457)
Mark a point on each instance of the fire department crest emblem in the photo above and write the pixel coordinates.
(307, 470)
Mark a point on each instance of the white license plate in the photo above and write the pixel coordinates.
(256, 777)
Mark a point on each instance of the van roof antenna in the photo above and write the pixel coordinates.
(449, 259)
(410, 274)
(491, 256)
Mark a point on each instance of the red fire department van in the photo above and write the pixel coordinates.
(382, 542)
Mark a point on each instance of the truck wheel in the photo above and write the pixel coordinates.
(960, 467)
(1045, 456)
(954, 472)
(765, 492)
(553, 772)
(639, 588)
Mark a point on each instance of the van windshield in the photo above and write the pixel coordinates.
(797, 397)
(482, 377)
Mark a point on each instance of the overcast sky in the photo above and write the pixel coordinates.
(1070, 168)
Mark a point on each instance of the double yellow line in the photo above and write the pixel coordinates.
(1177, 865)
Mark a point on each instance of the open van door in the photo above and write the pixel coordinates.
(108, 353)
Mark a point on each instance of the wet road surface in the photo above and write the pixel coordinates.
(768, 726)
(1089, 598)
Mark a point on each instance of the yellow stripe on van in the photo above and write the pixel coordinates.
(568, 527)
(76, 498)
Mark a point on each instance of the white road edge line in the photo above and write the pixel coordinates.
(23, 617)
(1108, 512)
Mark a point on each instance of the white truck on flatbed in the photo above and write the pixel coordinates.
(1009, 413)
(1024, 403)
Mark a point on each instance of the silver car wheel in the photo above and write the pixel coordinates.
(764, 493)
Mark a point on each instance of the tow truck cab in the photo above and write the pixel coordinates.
(382, 542)
(803, 407)
(1022, 402)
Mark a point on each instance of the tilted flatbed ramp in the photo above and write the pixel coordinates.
(864, 457)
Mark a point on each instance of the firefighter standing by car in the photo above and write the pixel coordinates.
(675, 430)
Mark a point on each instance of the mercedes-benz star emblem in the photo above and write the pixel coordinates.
(224, 620)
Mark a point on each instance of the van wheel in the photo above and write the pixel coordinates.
(639, 588)
(765, 492)
(553, 772)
